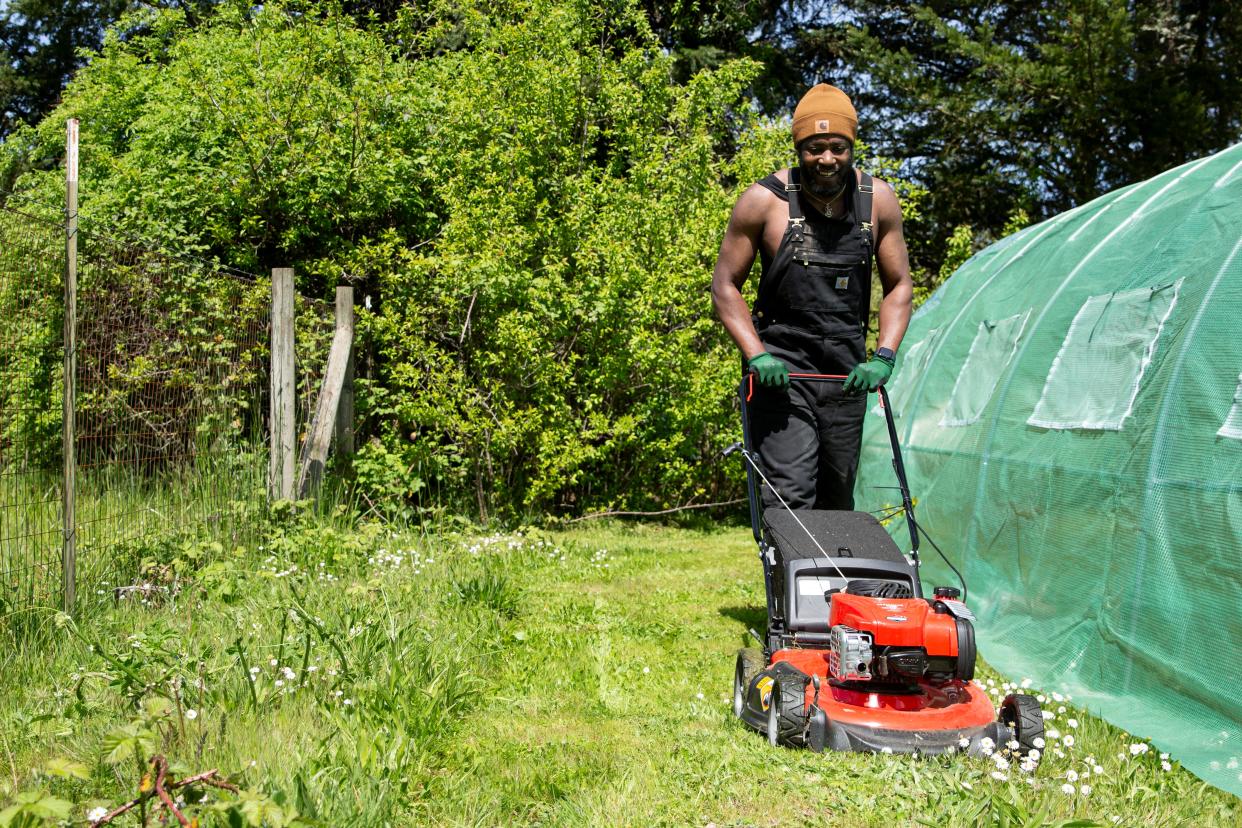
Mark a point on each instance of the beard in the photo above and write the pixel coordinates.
(823, 186)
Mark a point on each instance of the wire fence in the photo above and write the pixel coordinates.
(32, 259)
(170, 413)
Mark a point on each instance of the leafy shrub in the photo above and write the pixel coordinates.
(528, 203)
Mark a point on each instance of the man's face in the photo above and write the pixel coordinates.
(824, 161)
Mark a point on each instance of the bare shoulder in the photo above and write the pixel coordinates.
(753, 206)
(885, 205)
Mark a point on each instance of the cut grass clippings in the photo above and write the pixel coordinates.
(364, 677)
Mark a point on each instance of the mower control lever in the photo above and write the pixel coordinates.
(731, 449)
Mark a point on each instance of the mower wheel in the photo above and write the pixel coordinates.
(774, 716)
(749, 663)
(787, 711)
(1025, 719)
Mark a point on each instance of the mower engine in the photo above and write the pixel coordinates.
(899, 640)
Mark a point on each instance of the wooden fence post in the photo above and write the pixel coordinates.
(69, 551)
(281, 464)
(344, 435)
(319, 436)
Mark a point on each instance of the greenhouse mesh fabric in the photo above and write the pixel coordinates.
(1068, 406)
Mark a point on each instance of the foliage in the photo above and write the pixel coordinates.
(532, 215)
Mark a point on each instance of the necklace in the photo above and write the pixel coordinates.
(827, 202)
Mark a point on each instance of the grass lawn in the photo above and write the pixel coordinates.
(354, 675)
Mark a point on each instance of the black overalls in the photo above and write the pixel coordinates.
(811, 313)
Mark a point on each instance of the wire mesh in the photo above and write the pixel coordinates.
(170, 418)
(168, 422)
(31, 358)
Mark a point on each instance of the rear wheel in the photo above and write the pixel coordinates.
(749, 663)
(1025, 719)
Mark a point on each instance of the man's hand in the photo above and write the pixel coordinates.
(771, 371)
(868, 376)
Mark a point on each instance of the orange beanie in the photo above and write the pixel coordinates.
(824, 109)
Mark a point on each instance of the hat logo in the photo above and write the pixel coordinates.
(821, 126)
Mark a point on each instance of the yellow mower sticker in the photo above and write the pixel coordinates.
(765, 691)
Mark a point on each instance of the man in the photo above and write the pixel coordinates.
(816, 228)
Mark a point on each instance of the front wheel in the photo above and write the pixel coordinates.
(1025, 719)
(774, 716)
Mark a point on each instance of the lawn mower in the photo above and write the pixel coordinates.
(854, 656)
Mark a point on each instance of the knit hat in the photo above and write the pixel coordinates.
(824, 108)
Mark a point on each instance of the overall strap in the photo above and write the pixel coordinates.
(862, 207)
(796, 216)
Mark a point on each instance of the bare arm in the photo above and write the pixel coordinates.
(737, 253)
(893, 263)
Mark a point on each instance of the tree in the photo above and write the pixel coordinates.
(43, 42)
(1043, 105)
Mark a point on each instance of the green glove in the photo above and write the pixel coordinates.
(868, 376)
(772, 372)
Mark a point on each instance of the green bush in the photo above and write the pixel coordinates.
(528, 203)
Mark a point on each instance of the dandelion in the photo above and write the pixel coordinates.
(1061, 709)
(1068, 741)
(1026, 683)
(272, 662)
(1041, 698)
(96, 814)
(1068, 789)
(1013, 744)
(191, 713)
(987, 743)
(1166, 765)
(1053, 733)
(998, 776)
(1058, 698)
(1072, 722)
(1048, 714)
(1001, 762)
(1027, 766)
(886, 749)
(1034, 755)
(699, 696)
(254, 671)
(1139, 748)
(279, 682)
(348, 702)
(1071, 776)
(1097, 769)
(1085, 790)
(1164, 756)
(288, 673)
(646, 670)
(1038, 742)
(963, 743)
